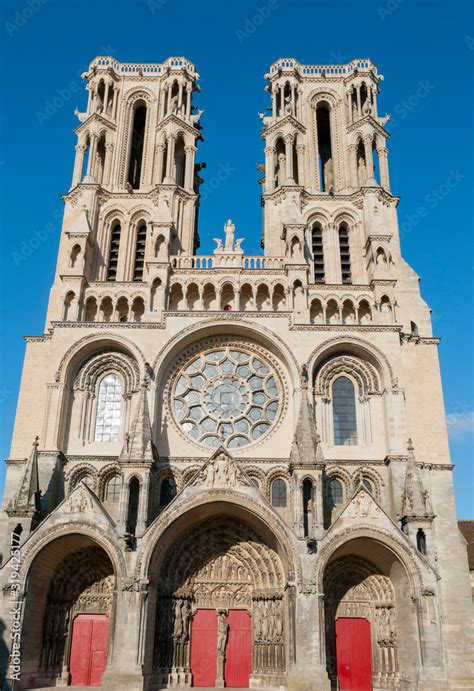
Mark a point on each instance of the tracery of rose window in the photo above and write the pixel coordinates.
(226, 395)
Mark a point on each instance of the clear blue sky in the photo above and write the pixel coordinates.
(425, 49)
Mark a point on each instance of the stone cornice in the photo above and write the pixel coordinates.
(179, 122)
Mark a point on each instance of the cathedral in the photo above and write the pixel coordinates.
(231, 470)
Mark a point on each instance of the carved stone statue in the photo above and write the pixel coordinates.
(222, 631)
(229, 232)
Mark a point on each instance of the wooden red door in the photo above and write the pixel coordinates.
(238, 662)
(204, 648)
(89, 646)
(354, 654)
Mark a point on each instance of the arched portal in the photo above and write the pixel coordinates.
(68, 613)
(220, 608)
(369, 627)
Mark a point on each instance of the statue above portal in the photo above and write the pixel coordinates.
(230, 245)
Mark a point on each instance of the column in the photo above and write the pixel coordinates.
(170, 172)
(289, 139)
(158, 168)
(270, 152)
(189, 167)
(106, 96)
(115, 103)
(382, 154)
(293, 100)
(369, 162)
(359, 109)
(180, 99)
(168, 102)
(300, 149)
(92, 153)
(78, 165)
(353, 166)
(349, 105)
(374, 102)
(189, 90)
(274, 103)
(143, 505)
(109, 150)
(90, 97)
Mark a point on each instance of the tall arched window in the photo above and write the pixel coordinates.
(133, 501)
(139, 253)
(109, 403)
(167, 491)
(318, 254)
(334, 493)
(112, 264)
(344, 412)
(421, 541)
(345, 254)
(307, 506)
(112, 489)
(279, 493)
(136, 148)
(325, 162)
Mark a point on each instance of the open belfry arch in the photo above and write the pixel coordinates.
(233, 470)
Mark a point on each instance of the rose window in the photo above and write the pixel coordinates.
(226, 396)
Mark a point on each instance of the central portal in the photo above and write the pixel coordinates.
(220, 609)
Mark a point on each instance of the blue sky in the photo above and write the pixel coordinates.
(425, 49)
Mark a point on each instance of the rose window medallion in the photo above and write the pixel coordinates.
(226, 396)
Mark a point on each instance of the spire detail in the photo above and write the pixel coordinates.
(138, 444)
(27, 500)
(416, 502)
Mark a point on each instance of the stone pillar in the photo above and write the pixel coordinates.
(143, 505)
(359, 109)
(382, 154)
(90, 97)
(289, 139)
(274, 104)
(170, 167)
(92, 153)
(293, 100)
(109, 151)
(189, 167)
(189, 90)
(369, 162)
(115, 103)
(353, 166)
(106, 96)
(158, 168)
(78, 165)
(300, 149)
(270, 152)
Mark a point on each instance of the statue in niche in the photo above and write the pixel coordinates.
(287, 105)
(222, 631)
(366, 108)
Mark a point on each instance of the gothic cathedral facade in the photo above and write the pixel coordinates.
(233, 470)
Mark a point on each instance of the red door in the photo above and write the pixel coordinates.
(204, 648)
(354, 654)
(238, 663)
(89, 646)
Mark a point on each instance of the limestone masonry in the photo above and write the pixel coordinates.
(230, 469)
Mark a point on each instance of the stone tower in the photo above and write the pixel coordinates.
(242, 475)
